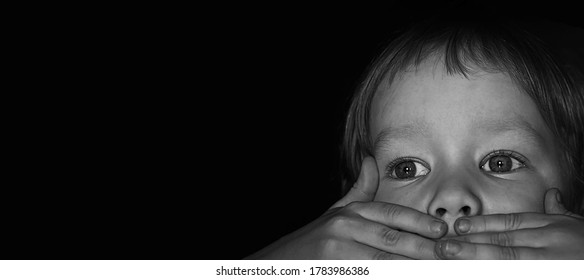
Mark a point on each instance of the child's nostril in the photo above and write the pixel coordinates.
(440, 212)
(465, 210)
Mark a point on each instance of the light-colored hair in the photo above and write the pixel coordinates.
(497, 45)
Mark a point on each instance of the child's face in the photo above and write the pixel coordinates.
(454, 134)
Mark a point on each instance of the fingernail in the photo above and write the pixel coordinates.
(438, 226)
(559, 197)
(451, 247)
(463, 225)
(439, 249)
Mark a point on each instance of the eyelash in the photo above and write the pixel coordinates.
(515, 155)
(393, 163)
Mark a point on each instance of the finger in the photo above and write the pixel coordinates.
(371, 253)
(365, 187)
(393, 241)
(348, 250)
(516, 238)
(457, 250)
(553, 204)
(500, 222)
(401, 218)
(382, 255)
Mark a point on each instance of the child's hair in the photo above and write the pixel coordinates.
(497, 45)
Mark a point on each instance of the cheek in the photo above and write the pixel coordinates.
(497, 196)
(526, 193)
(408, 196)
(513, 197)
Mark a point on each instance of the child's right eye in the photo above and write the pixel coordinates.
(406, 169)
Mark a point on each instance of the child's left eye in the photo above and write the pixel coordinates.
(502, 162)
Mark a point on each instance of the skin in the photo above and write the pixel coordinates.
(421, 218)
(356, 227)
(455, 109)
(447, 123)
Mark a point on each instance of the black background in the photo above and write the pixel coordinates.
(205, 133)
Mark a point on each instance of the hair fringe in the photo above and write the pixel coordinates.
(465, 47)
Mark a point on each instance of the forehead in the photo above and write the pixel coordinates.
(429, 95)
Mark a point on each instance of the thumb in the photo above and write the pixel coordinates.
(366, 186)
(553, 203)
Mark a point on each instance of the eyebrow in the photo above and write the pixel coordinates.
(516, 124)
(499, 126)
(411, 130)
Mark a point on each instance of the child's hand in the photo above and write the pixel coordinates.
(357, 228)
(557, 234)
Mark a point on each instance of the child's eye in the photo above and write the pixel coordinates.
(502, 162)
(405, 169)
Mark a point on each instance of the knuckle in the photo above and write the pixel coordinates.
(422, 247)
(328, 246)
(381, 255)
(501, 239)
(339, 222)
(508, 253)
(512, 221)
(354, 206)
(392, 211)
(390, 237)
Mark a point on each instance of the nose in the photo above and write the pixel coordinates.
(455, 197)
